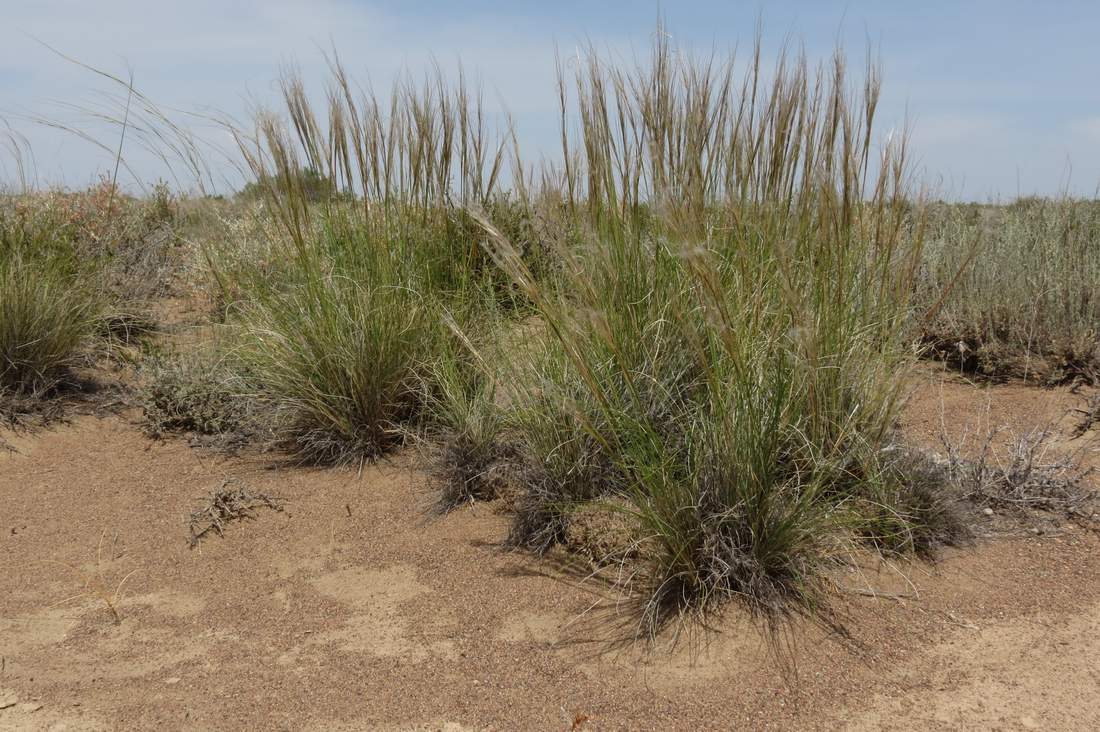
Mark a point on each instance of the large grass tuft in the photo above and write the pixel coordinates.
(340, 354)
(341, 323)
(724, 350)
(48, 310)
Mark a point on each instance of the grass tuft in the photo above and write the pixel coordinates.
(466, 446)
(722, 350)
(48, 311)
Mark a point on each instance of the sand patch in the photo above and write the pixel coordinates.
(378, 625)
(1017, 675)
(543, 628)
(49, 627)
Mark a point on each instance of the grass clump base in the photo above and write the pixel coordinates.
(464, 442)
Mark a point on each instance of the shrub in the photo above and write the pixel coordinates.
(307, 183)
(198, 393)
(1031, 475)
(161, 206)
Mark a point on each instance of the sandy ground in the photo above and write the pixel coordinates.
(353, 610)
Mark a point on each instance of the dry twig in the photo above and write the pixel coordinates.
(230, 501)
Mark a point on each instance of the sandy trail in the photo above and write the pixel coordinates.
(352, 610)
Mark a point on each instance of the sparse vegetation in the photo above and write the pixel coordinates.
(681, 351)
(77, 271)
(95, 584)
(684, 405)
(1033, 474)
(1025, 303)
(1089, 416)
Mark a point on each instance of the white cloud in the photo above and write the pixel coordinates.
(220, 56)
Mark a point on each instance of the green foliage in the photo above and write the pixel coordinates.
(724, 350)
(312, 186)
(339, 340)
(48, 310)
(720, 279)
(340, 322)
(467, 449)
(161, 206)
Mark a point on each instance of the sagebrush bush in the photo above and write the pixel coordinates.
(199, 392)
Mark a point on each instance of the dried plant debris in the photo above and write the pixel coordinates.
(231, 501)
(1031, 475)
(1090, 416)
(604, 531)
(26, 411)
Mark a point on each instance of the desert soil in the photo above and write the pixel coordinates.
(353, 609)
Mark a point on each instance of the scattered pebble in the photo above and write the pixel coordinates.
(172, 680)
(987, 511)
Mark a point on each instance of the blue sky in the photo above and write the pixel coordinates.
(1001, 97)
